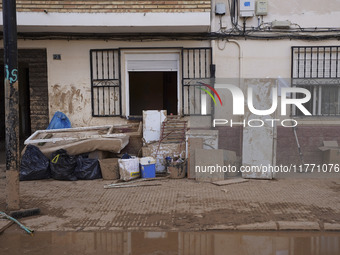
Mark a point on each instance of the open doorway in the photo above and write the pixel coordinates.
(2, 116)
(24, 99)
(152, 91)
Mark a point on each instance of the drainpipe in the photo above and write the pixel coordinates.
(11, 103)
(240, 62)
(212, 45)
(240, 59)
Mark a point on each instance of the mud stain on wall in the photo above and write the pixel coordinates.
(67, 99)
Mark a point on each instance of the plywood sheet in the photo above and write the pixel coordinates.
(208, 161)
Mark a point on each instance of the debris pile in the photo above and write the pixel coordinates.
(161, 145)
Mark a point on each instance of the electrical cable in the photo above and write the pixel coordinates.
(218, 44)
(272, 34)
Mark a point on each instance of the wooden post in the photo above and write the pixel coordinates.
(11, 103)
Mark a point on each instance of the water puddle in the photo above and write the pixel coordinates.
(196, 243)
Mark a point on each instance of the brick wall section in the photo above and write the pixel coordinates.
(229, 138)
(310, 139)
(37, 60)
(99, 6)
(37, 63)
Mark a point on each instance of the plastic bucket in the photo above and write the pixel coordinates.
(147, 167)
(177, 170)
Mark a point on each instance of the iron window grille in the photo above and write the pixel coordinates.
(197, 69)
(317, 69)
(105, 83)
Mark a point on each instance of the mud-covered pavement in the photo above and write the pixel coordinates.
(181, 205)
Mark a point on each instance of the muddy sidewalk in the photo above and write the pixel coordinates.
(182, 205)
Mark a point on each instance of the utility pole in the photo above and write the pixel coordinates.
(11, 103)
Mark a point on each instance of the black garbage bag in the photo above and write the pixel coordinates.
(87, 169)
(63, 166)
(34, 165)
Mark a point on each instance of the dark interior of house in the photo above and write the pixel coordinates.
(152, 91)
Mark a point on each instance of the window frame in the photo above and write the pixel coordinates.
(316, 68)
(106, 82)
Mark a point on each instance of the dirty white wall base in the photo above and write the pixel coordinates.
(210, 137)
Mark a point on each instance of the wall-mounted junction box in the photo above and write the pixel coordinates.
(247, 8)
(220, 9)
(281, 24)
(261, 7)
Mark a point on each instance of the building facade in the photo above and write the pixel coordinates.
(103, 62)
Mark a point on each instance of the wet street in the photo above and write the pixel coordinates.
(196, 243)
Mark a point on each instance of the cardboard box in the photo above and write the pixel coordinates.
(109, 168)
(97, 154)
(330, 152)
(230, 159)
(206, 162)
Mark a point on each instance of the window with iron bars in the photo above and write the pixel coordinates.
(105, 82)
(197, 70)
(317, 69)
(106, 95)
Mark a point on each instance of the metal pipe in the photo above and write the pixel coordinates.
(11, 103)
(299, 147)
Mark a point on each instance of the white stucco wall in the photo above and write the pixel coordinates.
(305, 13)
(69, 78)
(69, 81)
(250, 59)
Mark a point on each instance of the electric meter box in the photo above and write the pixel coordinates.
(220, 8)
(247, 8)
(261, 7)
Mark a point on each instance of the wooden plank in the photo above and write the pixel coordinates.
(230, 181)
(6, 225)
(173, 131)
(173, 137)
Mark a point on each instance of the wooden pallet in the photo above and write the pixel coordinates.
(173, 130)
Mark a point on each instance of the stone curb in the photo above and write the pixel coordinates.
(270, 225)
(331, 226)
(296, 225)
(221, 227)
